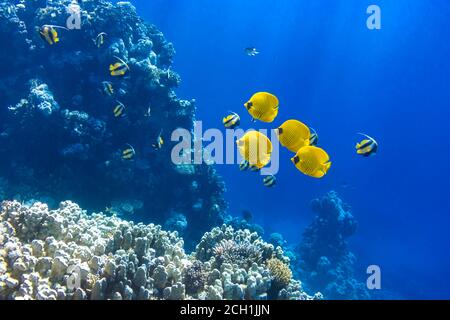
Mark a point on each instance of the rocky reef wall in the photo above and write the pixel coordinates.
(59, 138)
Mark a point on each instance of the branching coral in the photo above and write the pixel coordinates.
(241, 254)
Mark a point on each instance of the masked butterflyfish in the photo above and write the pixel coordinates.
(50, 34)
(128, 153)
(367, 147)
(314, 138)
(270, 181)
(232, 121)
(256, 148)
(263, 106)
(118, 69)
(293, 135)
(312, 161)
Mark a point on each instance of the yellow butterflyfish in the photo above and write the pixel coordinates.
(263, 106)
(294, 135)
(312, 161)
(256, 148)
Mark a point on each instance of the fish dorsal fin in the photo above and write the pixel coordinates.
(124, 63)
(368, 137)
(54, 26)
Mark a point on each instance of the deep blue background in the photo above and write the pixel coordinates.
(337, 76)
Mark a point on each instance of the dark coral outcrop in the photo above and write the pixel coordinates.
(58, 134)
(324, 262)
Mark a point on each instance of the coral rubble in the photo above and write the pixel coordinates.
(324, 262)
(59, 137)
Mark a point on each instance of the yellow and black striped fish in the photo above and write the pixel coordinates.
(367, 147)
(108, 88)
(314, 138)
(159, 142)
(270, 181)
(49, 34)
(100, 39)
(119, 110)
(244, 165)
(232, 121)
(128, 153)
(118, 69)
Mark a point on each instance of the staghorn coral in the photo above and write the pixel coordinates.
(324, 262)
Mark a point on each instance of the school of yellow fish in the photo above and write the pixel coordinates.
(256, 148)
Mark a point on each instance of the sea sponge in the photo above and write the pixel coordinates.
(280, 272)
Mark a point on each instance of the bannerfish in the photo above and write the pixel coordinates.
(244, 165)
(128, 153)
(270, 181)
(119, 69)
(119, 110)
(294, 135)
(312, 161)
(256, 148)
(314, 138)
(251, 51)
(100, 39)
(232, 121)
(148, 113)
(263, 106)
(49, 33)
(159, 142)
(107, 88)
(367, 147)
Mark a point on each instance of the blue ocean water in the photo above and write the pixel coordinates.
(334, 74)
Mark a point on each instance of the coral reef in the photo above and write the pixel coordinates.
(68, 254)
(195, 277)
(324, 262)
(236, 263)
(59, 137)
(281, 274)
